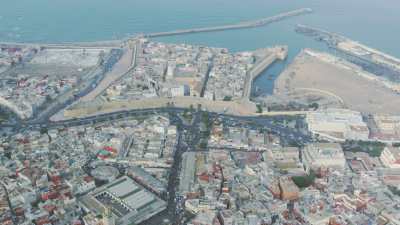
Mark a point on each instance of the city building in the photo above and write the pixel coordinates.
(337, 125)
(317, 156)
(289, 190)
(390, 157)
(385, 128)
(128, 202)
(188, 172)
(286, 160)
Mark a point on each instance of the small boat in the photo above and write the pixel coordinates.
(270, 77)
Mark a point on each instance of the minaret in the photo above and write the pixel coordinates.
(108, 218)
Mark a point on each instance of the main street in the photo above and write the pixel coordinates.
(267, 123)
(189, 136)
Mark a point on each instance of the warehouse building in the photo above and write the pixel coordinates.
(128, 202)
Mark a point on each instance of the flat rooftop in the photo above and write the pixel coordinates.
(129, 202)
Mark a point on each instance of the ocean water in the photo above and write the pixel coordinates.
(373, 22)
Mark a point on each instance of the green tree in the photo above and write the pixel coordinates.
(43, 130)
(259, 108)
(314, 105)
(304, 181)
(227, 98)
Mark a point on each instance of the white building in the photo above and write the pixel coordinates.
(171, 70)
(209, 96)
(323, 155)
(337, 125)
(387, 128)
(125, 201)
(81, 185)
(390, 157)
(286, 159)
(180, 91)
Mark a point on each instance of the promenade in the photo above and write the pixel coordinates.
(234, 108)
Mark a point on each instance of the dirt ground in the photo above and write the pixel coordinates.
(323, 74)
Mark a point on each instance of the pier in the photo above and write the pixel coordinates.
(76, 45)
(119, 43)
(371, 60)
(241, 25)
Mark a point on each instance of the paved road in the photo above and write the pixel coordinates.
(210, 67)
(123, 66)
(268, 123)
(189, 136)
(85, 87)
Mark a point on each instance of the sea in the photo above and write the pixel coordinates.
(375, 23)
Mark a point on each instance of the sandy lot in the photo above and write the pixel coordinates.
(323, 74)
(119, 70)
(74, 57)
